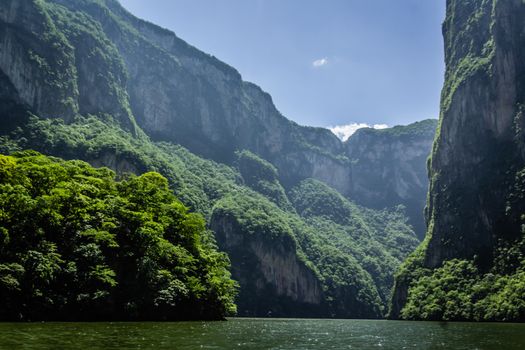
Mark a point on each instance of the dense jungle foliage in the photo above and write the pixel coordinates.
(477, 289)
(353, 253)
(75, 244)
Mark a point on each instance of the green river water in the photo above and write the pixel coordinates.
(264, 334)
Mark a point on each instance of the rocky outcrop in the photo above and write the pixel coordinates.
(120, 164)
(475, 195)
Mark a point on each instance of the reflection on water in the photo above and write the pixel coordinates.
(264, 334)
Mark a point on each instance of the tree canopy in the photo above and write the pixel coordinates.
(75, 243)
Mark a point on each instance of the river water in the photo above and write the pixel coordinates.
(264, 334)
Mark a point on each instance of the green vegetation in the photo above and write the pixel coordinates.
(377, 241)
(353, 251)
(459, 291)
(349, 290)
(479, 289)
(262, 177)
(198, 183)
(77, 244)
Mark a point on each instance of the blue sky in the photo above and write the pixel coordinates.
(325, 63)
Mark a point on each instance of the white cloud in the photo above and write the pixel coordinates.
(380, 126)
(320, 62)
(345, 131)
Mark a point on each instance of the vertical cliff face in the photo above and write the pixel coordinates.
(175, 81)
(475, 199)
(36, 60)
(389, 168)
(274, 281)
(228, 114)
(475, 156)
(59, 68)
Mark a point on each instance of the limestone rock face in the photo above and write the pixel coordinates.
(274, 281)
(120, 165)
(226, 113)
(475, 197)
(475, 154)
(60, 69)
(35, 61)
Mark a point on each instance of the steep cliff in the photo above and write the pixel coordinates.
(56, 64)
(180, 94)
(36, 61)
(470, 265)
(274, 280)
